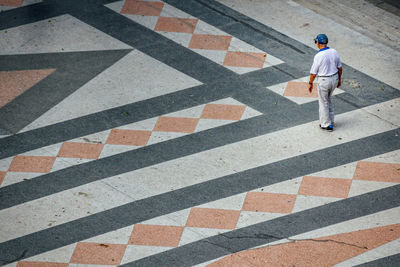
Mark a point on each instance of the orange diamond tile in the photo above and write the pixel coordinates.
(176, 25)
(244, 59)
(172, 124)
(2, 175)
(80, 150)
(156, 235)
(143, 8)
(11, 2)
(128, 137)
(223, 112)
(41, 264)
(210, 42)
(14, 83)
(213, 218)
(325, 187)
(269, 202)
(300, 89)
(95, 253)
(31, 164)
(376, 171)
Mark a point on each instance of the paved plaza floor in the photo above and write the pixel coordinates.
(181, 133)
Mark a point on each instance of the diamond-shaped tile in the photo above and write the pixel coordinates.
(377, 171)
(156, 235)
(213, 218)
(176, 25)
(210, 42)
(97, 253)
(41, 264)
(31, 164)
(173, 124)
(80, 150)
(14, 83)
(143, 8)
(300, 89)
(223, 112)
(244, 59)
(325, 187)
(11, 2)
(2, 175)
(128, 137)
(269, 202)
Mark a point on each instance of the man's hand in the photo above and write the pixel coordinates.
(310, 86)
(339, 83)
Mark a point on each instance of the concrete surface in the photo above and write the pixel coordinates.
(180, 133)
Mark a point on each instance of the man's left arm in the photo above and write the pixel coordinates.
(310, 83)
(340, 76)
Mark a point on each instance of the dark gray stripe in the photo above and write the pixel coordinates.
(393, 260)
(226, 186)
(28, 14)
(153, 44)
(283, 227)
(73, 70)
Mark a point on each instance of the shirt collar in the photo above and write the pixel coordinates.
(323, 49)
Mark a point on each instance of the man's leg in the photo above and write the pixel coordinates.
(333, 84)
(323, 99)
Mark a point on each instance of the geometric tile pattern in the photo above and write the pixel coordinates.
(130, 137)
(264, 202)
(196, 35)
(36, 215)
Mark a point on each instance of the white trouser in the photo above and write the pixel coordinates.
(326, 85)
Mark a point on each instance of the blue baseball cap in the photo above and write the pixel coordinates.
(321, 39)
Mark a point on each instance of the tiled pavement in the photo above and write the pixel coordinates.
(181, 133)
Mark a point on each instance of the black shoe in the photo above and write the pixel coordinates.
(329, 128)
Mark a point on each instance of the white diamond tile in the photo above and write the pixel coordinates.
(287, 187)
(238, 45)
(205, 28)
(359, 187)
(229, 203)
(16, 177)
(247, 218)
(216, 56)
(192, 234)
(110, 150)
(194, 112)
(308, 202)
(205, 124)
(181, 38)
(177, 218)
(120, 236)
(145, 125)
(170, 11)
(134, 252)
(157, 137)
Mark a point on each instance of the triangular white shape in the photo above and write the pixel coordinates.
(133, 78)
(59, 34)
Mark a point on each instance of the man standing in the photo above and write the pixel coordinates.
(328, 68)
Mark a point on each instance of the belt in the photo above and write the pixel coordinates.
(328, 75)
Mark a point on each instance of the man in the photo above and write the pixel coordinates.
(328, 68)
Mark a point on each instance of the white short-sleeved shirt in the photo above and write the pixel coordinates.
(326, 62)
